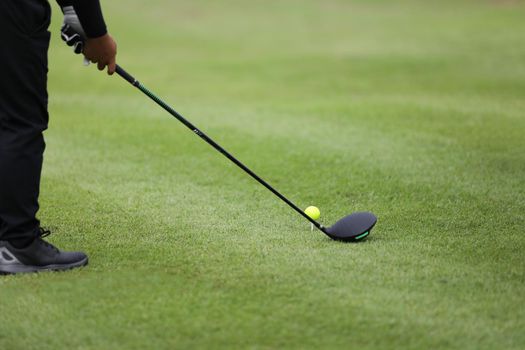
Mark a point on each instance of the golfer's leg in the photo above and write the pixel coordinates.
(23, 114)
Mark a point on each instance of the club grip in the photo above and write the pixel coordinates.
(129, 78)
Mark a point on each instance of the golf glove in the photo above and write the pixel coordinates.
(72, 32)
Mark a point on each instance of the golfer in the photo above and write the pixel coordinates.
(24, 41)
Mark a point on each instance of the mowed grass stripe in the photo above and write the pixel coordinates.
(318, 139)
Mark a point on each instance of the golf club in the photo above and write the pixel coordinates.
(351, 228)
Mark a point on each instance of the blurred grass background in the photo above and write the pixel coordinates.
(413, 110)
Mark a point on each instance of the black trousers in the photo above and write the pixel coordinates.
(24, 42)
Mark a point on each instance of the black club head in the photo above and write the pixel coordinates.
(352, 228)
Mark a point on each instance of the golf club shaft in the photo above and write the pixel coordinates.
(215, 145)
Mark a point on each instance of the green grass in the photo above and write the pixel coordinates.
(412, 110)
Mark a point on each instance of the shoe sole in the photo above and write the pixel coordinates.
(20, 268)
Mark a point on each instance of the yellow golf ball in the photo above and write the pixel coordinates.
(313, 212)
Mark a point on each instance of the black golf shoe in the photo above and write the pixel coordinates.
(38, 256)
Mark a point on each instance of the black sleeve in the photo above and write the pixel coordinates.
(90, 15)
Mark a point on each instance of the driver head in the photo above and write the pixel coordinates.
(352, 228)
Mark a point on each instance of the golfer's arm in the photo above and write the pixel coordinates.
(89, 13)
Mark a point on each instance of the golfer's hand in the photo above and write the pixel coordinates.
(102, 51)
